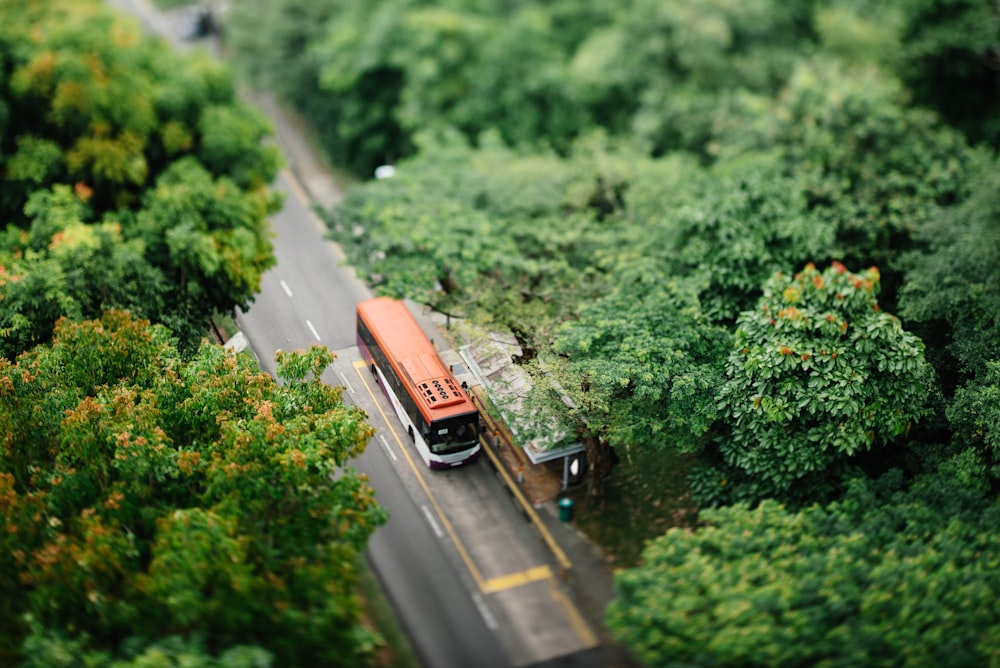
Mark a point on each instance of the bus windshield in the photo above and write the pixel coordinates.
(453, 435)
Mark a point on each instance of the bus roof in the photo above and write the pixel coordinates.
(414, 358)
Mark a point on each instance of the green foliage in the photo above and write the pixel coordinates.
(425, 65)
(635, 370)
(147, 497)
(950, 61)
(132, 171)
(871, 166)
(641, 365)
(974, 415)
(32, 304)
(67, 266)
(198, 246)
(95, 111)
(746, 222)
(48, 649)
(817, 374)
(198, 552)
(521, 86)
(208, 236)
(860, 33)
(373, 75)
(885, 167)
(951, 296)
(684, 60)
(485, 231)
(229, 137)
(881, 578)
(952, 284)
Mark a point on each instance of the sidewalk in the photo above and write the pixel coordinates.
(588, 576)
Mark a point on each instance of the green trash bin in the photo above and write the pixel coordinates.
(566, 509)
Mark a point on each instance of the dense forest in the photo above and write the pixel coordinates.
(163, 501)
(764, 235)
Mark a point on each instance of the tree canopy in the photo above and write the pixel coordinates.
(134, 178)
(818, 373)
(371, 77)
(152, 502)
(164, 502)
(884, 577)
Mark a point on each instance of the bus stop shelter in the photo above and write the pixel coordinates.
(490, 363)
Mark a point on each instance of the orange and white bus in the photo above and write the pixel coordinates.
(439, 417)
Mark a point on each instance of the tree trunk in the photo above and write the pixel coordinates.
(601, 459)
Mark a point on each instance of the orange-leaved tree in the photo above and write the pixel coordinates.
(149, 500)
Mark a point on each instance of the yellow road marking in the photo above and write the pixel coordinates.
(576, 620)
(518, 579)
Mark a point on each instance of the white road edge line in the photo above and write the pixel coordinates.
(284, 286)
(346, 383)
(433, 522)
(488, 617)
(385, 444)
(313, 330)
